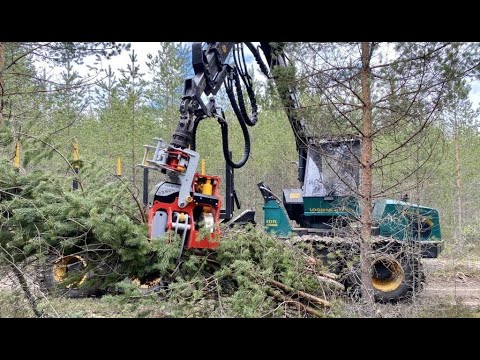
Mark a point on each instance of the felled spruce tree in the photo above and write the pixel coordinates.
(249, 275)
(41, 216)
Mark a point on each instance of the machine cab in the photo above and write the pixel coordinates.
(331, 179)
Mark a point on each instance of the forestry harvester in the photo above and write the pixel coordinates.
(324, 209)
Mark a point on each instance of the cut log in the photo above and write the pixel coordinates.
(298, 305)
(336, 284)
(302, 294)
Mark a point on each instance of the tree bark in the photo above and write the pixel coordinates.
(298, 305)
(458, 184)
(366, 180)
(2, 63)
(134, 172)
(300, 293)
(134, 168)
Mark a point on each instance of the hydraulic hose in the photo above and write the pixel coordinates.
(250, 121)
(241, 103)
(243, 125)
(253, 102)
(226, 151)
(193, 142)
(257, 57)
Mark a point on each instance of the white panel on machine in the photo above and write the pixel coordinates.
(159, 224)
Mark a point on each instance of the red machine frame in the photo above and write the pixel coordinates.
(192, 241)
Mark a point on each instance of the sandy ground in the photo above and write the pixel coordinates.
(453, 281)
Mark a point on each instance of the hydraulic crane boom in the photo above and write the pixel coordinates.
(189, 200)
(211, 71)
(276, 58)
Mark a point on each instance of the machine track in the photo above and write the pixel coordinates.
(380, 244)
(331, 240)
(397, 271)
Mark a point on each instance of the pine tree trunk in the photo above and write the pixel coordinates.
(366, 180)
(2, 62)
(133, 144)
(134, 101)
(458, 185)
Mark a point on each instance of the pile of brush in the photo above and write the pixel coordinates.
(251, 274)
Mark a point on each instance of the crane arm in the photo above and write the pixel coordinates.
(211, 71)
(276, 58)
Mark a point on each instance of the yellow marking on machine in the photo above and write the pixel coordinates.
(428, 221)
(271, 222)
(325, 210)
(294, 195)
(207, 188)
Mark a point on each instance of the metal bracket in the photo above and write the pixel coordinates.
(183, 177)
(186, 178)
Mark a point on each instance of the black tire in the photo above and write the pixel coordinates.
(388, 285)
(49, 283)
